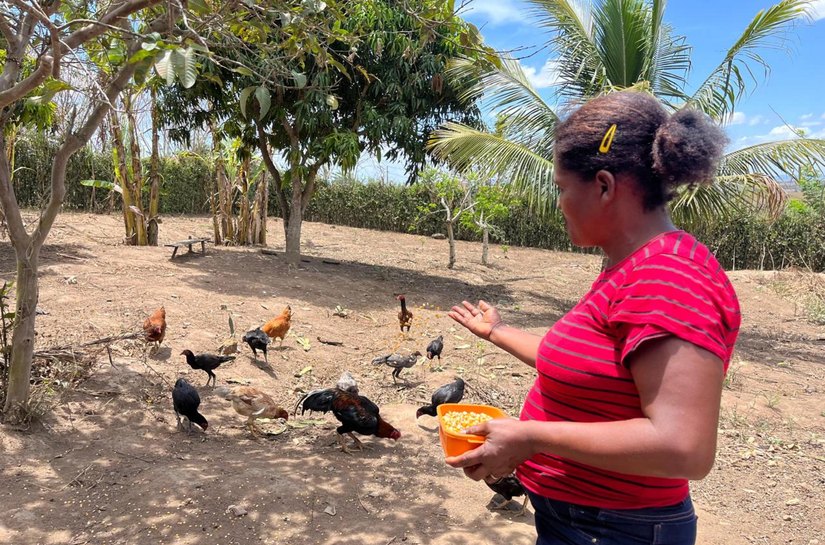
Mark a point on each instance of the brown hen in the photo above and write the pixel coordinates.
(154, 327)
(252, 403)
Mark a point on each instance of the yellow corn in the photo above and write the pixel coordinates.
(457, 422)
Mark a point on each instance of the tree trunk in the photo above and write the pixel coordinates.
(485, 244)
(451, 239)
(293, 228)
(122, 176)
(154, 176)
(137, 171)
(17, 392)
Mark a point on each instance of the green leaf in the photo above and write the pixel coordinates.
(243, 70)
(185, 66)
(149, 46)
(262, 96)
(300, 79)
(100, 184)
(332, 102)
(244, 98)
(199, 7)
(164, 68)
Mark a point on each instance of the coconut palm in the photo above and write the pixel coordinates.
(617, 45)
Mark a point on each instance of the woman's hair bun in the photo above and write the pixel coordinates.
(687, 148)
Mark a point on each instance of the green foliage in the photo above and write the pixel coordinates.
(813, 190)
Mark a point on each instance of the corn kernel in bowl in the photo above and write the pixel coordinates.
(458, 421)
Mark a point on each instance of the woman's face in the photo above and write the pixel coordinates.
(579, 204)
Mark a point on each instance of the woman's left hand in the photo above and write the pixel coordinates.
(507, 445)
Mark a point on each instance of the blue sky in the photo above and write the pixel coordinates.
(792, 94)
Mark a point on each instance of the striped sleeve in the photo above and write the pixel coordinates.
(666, 295)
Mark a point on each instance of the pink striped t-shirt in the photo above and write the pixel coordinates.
(672, 285)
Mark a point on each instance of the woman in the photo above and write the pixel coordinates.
(625, 406)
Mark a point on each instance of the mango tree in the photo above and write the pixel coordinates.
(47, 35)
(357, 77)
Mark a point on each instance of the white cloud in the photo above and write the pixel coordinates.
(496, 12)
(818, 10)
(738, 118)
(803, 117)
(780, 132)
(546, 77)
(757, 120)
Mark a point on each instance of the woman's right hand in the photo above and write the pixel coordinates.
(480, 320)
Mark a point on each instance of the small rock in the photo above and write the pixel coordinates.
(236, 510)
(794, 501)
(787, 518)
(330, 510)
(438, 236)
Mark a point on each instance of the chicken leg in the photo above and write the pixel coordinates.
(503, 505)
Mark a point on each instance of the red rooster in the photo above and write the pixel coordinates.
(404, 316)
(355, 412)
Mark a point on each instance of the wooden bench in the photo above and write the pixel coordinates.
(188, 242)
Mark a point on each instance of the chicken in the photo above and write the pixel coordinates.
(508, 487)
(449, 393)
(154, 327)
(257, 340)
(347, 383)
(397, 362)
(252, 403)
(404, 316)
(185, 400)
(278, 327)
(435, 347)
(355, 412)
(206, 362)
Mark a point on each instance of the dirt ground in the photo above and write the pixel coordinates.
(106, 464)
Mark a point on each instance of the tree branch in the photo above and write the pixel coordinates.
(273, 170)
(14, 220)
(23, 88)
(96, 28)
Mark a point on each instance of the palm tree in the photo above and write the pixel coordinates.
(625, 44)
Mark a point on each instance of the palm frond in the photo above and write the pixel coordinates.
(571, 26)
(505, 90)
(530, 174)
(728, 196)
(718, 95)
(668, 57)
(622, 33)
(783, 158)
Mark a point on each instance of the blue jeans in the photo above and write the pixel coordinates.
(562, 523)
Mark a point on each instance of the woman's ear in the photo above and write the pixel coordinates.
(607, 184)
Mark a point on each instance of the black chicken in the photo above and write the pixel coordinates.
(508, 487)
(449, 393)
(397, 362)
(206, 362)
(355, 412)
(257, 340)
(185, 400)
(435, 347)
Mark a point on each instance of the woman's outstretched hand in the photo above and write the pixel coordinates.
(481, 320)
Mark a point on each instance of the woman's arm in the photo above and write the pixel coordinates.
(485, 322)
(680, 386)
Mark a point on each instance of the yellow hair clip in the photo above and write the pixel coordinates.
(604, 147)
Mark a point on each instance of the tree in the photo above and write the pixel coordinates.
(365, 76)
(625, 44)
(451, 195)
(493, 203)
(52, 38)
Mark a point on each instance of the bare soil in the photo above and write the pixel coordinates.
(106, 465)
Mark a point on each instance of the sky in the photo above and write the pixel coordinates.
(792, 94)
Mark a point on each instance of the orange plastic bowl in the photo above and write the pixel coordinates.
(455, 444)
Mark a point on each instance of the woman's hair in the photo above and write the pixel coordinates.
(660, 150)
